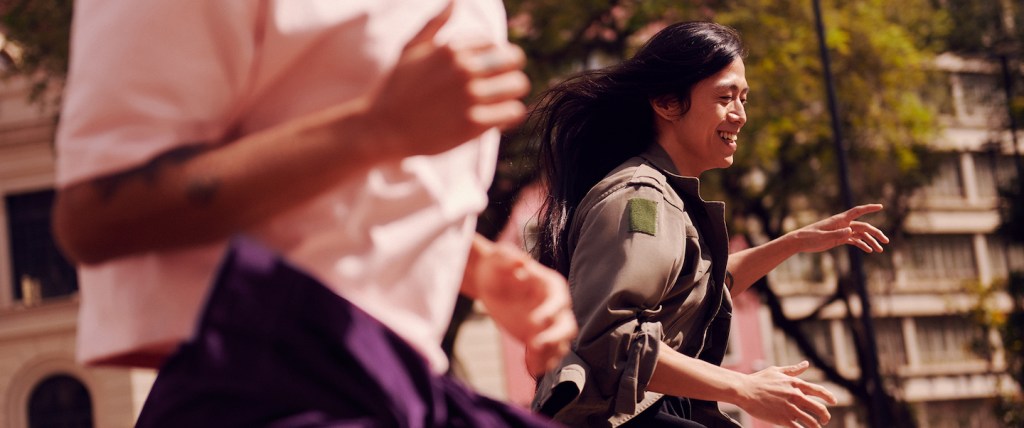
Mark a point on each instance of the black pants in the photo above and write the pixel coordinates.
(668, 412)
(275, 348)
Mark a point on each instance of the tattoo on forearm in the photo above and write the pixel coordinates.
(201, 191)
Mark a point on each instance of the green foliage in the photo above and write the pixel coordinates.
(880, 61)
(562, 37)
(41, 28)
(978, 26)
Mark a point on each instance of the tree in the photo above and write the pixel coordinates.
(41, 31)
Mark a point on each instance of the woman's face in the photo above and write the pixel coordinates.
(705, 137)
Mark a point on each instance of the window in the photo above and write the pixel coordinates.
(1000, 254)
(958, 414)
(39, 269)
(948, 339)
(60, 401)
(947, 183)
(940, 257)
(993, 172)
(889, 340)
(983, 95)
(802, 267)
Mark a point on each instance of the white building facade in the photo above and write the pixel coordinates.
(933, 353)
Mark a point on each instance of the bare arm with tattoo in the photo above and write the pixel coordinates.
(436, 98)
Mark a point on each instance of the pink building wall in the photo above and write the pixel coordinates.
(520, 385)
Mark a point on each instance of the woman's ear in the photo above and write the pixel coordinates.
(666, 107)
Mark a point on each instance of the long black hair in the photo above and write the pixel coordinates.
(592, 122)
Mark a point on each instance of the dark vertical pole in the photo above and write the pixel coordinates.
(879, 409)
(1004, 60)
(1009, 47)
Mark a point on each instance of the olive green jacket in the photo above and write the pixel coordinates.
(647, 269)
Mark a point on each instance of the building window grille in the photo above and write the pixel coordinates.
(947, 182)
(60, 401)
(948, 339)
(802, 267)
(983, 95)
(890, 342)
(958, 414)
(39, 270)
(1004, 257)
(993, 173)
(941, 257)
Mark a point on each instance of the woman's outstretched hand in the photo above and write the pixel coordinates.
(842, 228)
(777, 395)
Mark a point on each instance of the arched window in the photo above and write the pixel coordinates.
(60, 401)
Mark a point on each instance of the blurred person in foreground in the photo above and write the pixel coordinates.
(647, 258)
(274, 202)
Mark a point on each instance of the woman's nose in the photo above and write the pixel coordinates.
(738, 114)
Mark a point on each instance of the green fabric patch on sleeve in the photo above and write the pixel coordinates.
(643, 216)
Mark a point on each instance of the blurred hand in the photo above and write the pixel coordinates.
(777, 396)
(528, 300)
(440, 96)
(842, 229)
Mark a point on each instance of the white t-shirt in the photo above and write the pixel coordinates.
(148, 76)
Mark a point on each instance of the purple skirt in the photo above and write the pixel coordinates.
(276, 348)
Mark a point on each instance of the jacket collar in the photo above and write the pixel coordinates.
(659, 158)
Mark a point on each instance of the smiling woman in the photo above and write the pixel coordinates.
(704, 137)
(647, 258)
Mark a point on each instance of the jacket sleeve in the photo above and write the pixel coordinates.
(628, 254)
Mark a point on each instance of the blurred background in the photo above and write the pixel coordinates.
(915, 104)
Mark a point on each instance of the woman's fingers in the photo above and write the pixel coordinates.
(817, 391)
(552, 344)
(860, 210)
(795, 369)
(868, 237)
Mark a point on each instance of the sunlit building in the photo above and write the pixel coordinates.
(933, 354)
